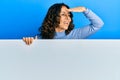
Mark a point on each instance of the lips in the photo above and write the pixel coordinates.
(66, 23)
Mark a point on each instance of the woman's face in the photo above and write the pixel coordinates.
(65, 20)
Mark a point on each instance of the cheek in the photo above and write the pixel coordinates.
(64, 18)
(61, 20)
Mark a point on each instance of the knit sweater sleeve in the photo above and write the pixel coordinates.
(95, 24)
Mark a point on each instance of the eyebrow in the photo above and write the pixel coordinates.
(65, 12)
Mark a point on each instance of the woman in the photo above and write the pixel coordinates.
(58, 24)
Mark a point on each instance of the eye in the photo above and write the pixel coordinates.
(63, 14)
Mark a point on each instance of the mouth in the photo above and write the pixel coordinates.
(66, 23)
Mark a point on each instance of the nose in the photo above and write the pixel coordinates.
(67, 17)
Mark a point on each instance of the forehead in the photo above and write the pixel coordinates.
(64, 9)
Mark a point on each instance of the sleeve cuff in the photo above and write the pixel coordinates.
(87, 11)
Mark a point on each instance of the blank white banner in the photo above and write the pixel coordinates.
(60, 60)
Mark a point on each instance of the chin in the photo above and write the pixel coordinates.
(66, 27)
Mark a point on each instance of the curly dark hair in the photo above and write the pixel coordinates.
(52, 20)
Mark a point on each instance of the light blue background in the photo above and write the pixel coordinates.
(20, 18)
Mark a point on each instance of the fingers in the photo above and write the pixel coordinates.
(28, 40)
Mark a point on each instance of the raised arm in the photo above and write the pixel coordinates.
(95, 23)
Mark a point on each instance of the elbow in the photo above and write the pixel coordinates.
(98, 25)
(101, 23)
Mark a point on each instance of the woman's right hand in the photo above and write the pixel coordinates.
(28, 40)
(77, 9)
